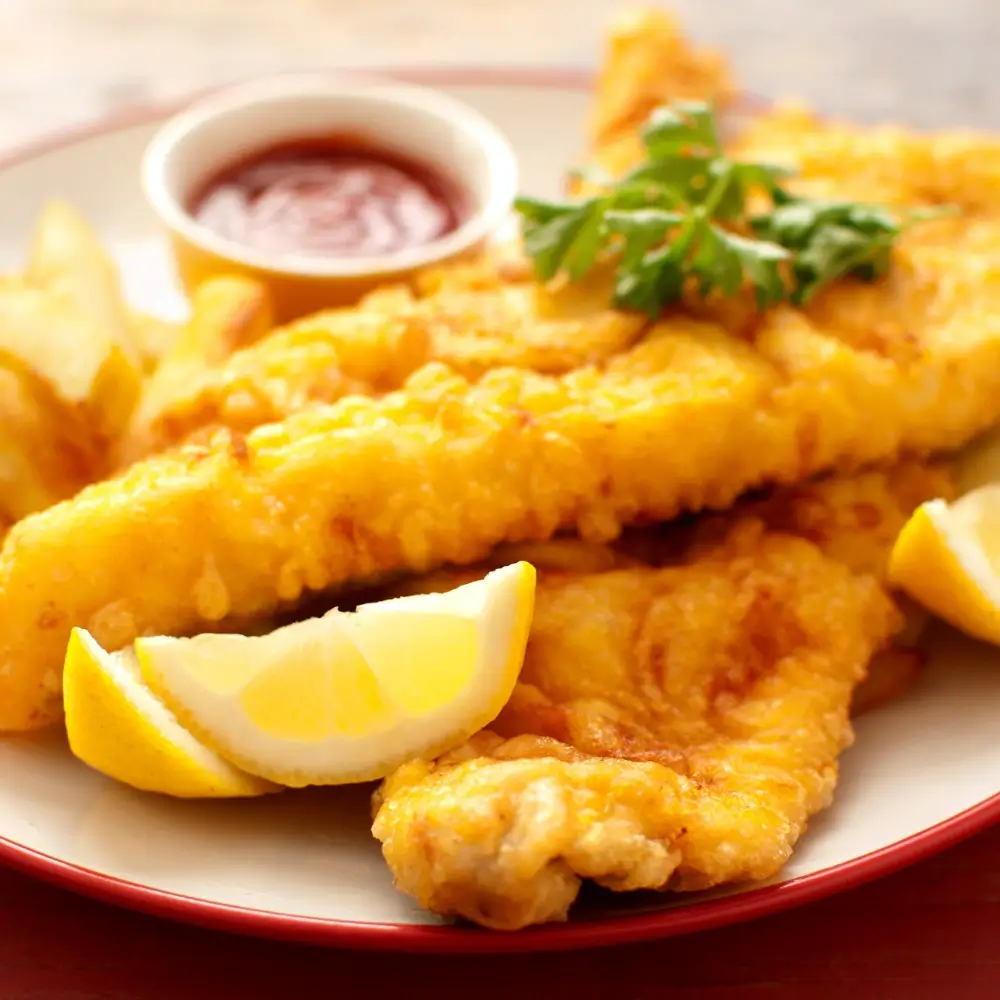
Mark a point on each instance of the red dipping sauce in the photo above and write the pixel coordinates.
(329, 197)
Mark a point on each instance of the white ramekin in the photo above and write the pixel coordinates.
(422, 124)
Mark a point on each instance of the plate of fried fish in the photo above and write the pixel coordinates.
(626, 574)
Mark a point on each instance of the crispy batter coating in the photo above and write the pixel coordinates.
(475, 317)
(851, 519)
(443, 471)
(698, 412)
(472, 316)
(491, 313)
(884, 165)
(522, 324)
(673, 728)
(648, 62)
(316, 360)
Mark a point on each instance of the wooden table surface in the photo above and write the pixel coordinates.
(931, 932)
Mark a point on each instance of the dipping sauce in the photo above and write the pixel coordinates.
(329, 197)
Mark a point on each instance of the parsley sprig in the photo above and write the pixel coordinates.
(681, 219)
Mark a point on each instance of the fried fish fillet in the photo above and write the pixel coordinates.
(491, 313)
(473, 317)
(708, 668)
(696, 413)
(648, 62)
(227, 313)
(673, 728)
(445, 470)
(316, 360)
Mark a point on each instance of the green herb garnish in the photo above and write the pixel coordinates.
(681, 219)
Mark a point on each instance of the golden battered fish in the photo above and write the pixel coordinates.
(445, 470)
(696, 413)
(648, 62)
(689, 753)
(707, 668)
(316, 360)
(491, 313)
(227, 313)
(474, 317)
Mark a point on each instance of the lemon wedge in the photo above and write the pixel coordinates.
(947, 557)
(349, 696)
(119, 727)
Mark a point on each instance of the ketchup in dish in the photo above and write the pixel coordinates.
(332, 197)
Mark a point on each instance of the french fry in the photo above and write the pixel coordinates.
(44, 334)
(86, 350)
(227, 313)
(154, 337)
(47, 453)
(68, 260)
(68, 371)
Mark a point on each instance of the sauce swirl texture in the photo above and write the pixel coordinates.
(332, 197)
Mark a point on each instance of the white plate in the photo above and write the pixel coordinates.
(924, 772)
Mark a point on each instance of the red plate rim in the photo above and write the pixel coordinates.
(645, 926)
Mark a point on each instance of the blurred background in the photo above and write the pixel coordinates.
(930, 62)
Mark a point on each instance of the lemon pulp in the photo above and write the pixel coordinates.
(349, 696)
(118, 726)
(947, 557)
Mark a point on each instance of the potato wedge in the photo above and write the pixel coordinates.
(47, 452)
(227, 313)
(66, 321)
(154, 337)
(68, 260)
(42, 333)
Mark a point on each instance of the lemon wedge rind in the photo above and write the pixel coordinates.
(117, 726)
(942, 560)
